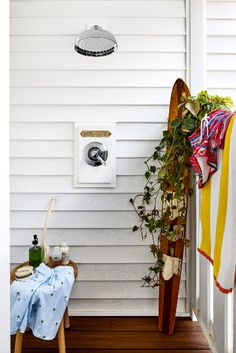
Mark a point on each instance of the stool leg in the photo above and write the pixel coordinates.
(61, 338)
(18, 342)
(67, 319)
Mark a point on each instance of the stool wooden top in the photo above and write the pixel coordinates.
(13, 271)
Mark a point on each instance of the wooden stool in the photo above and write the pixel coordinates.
(65, 322)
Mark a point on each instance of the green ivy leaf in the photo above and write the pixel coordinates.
(165, 133)
(176, 123)
(153, 168)
(147, 175)
(188, 124)
(147, 279)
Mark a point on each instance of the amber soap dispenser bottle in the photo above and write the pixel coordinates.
(35, 253)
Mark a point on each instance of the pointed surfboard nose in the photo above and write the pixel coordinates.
(178, 88)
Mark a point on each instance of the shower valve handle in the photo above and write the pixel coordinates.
(96, 154)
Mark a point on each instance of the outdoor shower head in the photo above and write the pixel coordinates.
(95, 42)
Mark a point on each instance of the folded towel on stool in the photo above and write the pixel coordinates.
(39, 302)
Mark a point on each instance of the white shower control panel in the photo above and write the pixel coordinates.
(95, 158)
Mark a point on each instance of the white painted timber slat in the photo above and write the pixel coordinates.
(222, 62)
(65, 184)
(26, 78)
(40, 131)
(41, 166)
(118, 307)
(119, 61)
(64, 149)
(103, 290)
(65, 131)
(98, 9)
(128, 43)
(82, 202)
(131, 166)
(220, 324)
(75, 219)
(135, 148)
(114, 272)
(90, 96)
(64, 202)
(221, 44)
(97, 254)
(220, 80)
(42, 148)
(140, 131)
(111, 272)
(63, 26)
(222, 9)
(65, 166)
(204, 292)
(222, 27)
(119, 113)
(81, 236)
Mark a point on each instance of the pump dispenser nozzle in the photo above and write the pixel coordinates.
(35, 241)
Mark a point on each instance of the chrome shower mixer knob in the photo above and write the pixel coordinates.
(95, 154)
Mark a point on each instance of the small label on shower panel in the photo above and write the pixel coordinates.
(95, 133)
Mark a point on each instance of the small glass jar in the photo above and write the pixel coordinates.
(56, 256)
(65, 254)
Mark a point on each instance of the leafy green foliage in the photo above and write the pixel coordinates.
(162, 207)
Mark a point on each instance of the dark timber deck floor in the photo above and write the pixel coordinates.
(122, 335)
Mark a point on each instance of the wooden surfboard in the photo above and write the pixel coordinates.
(168, 290)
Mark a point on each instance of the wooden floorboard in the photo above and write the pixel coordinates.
(42, 350)
(128, 323)
(122, 335)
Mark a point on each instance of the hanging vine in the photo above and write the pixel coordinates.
(162, 207)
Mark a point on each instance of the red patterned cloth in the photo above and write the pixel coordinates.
(205, 142)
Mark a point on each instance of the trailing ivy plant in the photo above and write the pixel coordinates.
(162, 207)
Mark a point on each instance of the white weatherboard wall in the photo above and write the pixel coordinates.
(221, 48)
(51, 88)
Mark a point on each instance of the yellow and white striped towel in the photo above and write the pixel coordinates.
(218, 214)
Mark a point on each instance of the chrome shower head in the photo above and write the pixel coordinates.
(95, 42)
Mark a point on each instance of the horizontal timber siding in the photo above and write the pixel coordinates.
(51, 88)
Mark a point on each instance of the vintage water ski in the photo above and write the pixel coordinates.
(168, 290)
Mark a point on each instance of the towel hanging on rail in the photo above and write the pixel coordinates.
(218, 217)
